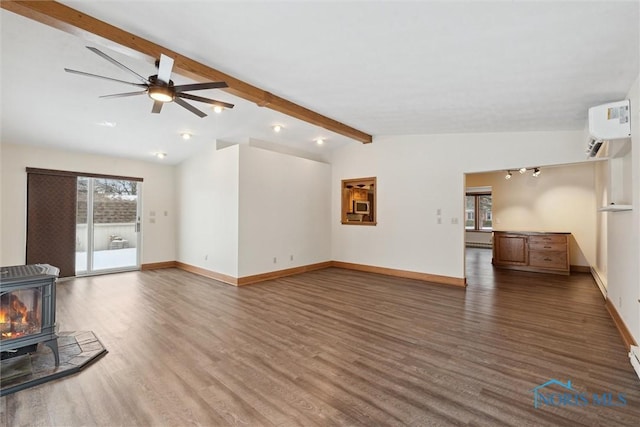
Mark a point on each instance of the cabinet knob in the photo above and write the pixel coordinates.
(548, 259)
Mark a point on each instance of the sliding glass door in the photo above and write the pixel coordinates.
(107, 225)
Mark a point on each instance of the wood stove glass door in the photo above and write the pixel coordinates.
(108, 230)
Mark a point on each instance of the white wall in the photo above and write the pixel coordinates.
(561, 199)
(207, 199)
(623, 235)
(284, 210)
(242, 206)
(417, 175)
(157, 195)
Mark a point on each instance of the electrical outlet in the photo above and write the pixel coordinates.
(152, 220)
(439, 220)
(439, 211)
(619, 302)
(291, 258)
(454, 220)
(206, 257)
(275, 260)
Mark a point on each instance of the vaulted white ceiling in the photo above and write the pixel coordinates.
(381, 67)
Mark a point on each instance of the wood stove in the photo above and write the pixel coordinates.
(28, 309)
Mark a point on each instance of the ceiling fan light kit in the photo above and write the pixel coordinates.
(160, 87)
(160, 93)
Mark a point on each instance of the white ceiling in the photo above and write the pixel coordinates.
(381, 67)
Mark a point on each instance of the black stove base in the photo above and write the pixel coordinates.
(28, 349)
(19, 352)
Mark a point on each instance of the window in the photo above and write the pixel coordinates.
(478, 211)
(359, 201)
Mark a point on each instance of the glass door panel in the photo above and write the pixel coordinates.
(115, 227)
(107, 225)
(82, 231)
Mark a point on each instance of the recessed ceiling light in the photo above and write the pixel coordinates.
(218, 109)
(277, 128)
(185, 135)
(319, 141)
(161, 155)
(107, 124)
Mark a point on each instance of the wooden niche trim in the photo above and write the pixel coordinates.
(358, 189)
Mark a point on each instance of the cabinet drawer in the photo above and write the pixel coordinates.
(547, 246)
(548, 238)
(548, 259)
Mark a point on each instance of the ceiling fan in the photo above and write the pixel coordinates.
(159, 87)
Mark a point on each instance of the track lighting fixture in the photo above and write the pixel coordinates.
(536, 172)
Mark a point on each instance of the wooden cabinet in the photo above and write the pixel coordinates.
(510, 248)
(531, 251)
(356, 194)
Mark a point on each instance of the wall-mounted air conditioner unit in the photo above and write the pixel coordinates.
(608, 122)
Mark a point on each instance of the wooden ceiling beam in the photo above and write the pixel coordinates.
(93, 30)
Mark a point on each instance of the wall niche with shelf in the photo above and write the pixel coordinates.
(359, 201)
(619, 165)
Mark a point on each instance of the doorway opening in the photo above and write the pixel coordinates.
(108, 233)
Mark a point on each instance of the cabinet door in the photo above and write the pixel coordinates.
(510, 249)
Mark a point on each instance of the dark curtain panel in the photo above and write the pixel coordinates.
(51, 221)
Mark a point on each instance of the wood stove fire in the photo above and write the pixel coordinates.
(28, 309)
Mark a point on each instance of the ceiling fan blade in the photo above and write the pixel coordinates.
(122, 95)
(164, 68)
(205, 100)
(189, 107)
(157, 106)
(82, 73)
(200, 86)
(116, 63)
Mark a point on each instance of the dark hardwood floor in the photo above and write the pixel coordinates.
(335, 347)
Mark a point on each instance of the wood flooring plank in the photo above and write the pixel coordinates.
(334, 347)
